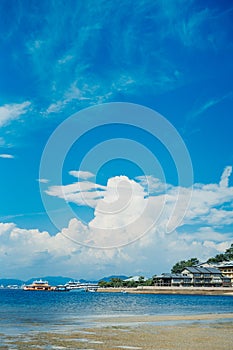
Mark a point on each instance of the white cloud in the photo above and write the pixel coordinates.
(207, 201)
(83, 193)
(73, 93)
(225, 177)
(90, 89)
(152, 185)
(208, 234)
(13, 111)
(208, 104)
(65, 59)
(128, 209)
(43, 181)
(81, 174)
(26, 253)
(6, 156)
(124, 215)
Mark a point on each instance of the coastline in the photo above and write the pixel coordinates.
(228, 291)
(211, 331)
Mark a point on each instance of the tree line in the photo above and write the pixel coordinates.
(177, 268)
(227, 256)
(119, 283)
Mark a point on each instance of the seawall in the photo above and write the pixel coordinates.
(171, 290)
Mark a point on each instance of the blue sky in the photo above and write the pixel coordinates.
(58, 58)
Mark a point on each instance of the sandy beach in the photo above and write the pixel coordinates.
(189, 332)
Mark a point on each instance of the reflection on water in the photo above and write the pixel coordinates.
(22, 312)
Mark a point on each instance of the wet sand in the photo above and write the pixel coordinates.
(189, 332)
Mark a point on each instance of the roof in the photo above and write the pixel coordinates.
(206, 270)
(213, 270)
(135, 279)
(172, 275)
(191, 269)
(226, 264)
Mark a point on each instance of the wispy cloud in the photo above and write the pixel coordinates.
(43, 181)
(208, 104)
(72, 94)
(83, 193)
(10, 112)
(81, 174)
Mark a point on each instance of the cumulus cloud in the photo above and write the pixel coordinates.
(13, 111)
(24, 253)
(127, 209)
(123, 200)
(129, 220)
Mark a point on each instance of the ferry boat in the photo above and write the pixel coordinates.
(38, 286)
(77, 286)
(60, 288)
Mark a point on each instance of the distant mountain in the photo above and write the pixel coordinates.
(107, 279)
(10, 281)
(86, 281)
(55, 280)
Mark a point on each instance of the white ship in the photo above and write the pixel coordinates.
(77, 286)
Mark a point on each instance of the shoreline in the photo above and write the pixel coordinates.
(227, 291)
(124, 319)
(182, 332)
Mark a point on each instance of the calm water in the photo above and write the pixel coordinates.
(25, 311)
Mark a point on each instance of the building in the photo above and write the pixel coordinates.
(136, 279)
(206, 277)
(226, 269)
(172, 280)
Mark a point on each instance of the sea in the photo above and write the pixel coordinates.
(25, 311)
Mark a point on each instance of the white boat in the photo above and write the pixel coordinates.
(60, 288)
(77, 286)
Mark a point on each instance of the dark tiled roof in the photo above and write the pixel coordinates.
(206, 270)
(213, 270)
(173, 275)
(192, 269)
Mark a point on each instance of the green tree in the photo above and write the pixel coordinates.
(149, 282)
(180, 265)
(141, 280)
(227, 256)
(229, 253)
(103, 284)
(116, 282)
